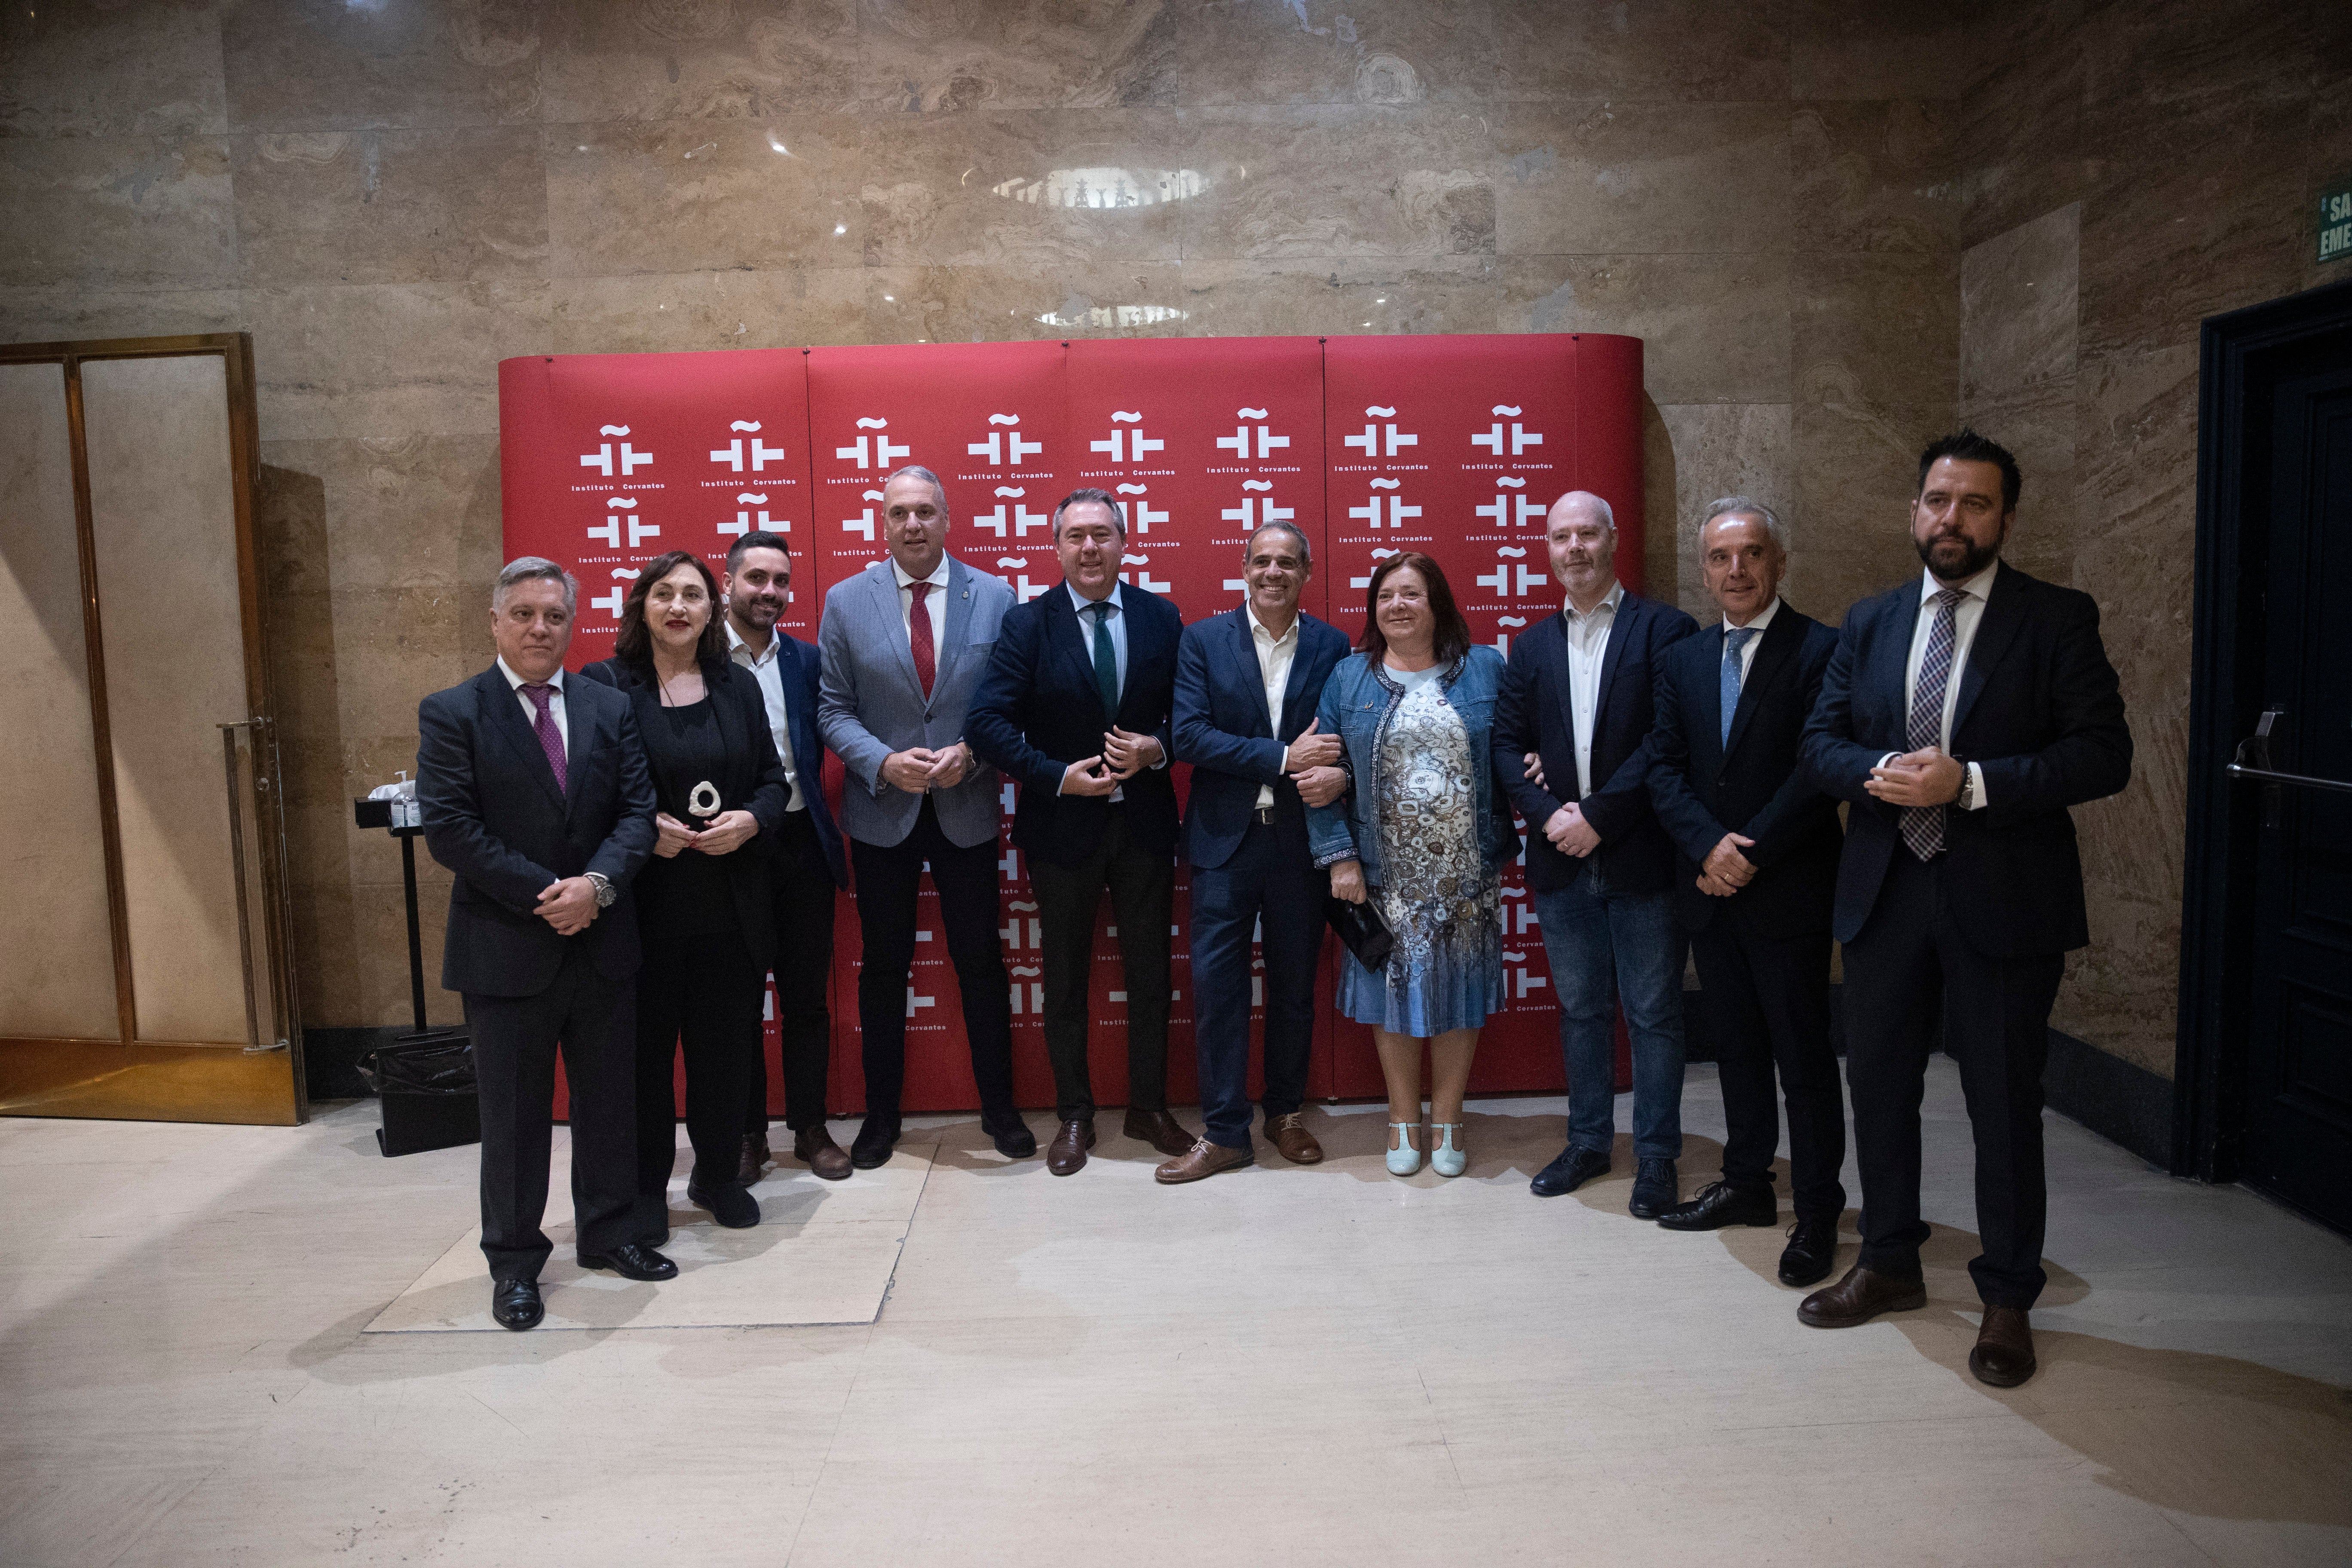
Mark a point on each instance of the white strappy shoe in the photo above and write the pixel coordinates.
(1448, 1157)
(1404, 1160)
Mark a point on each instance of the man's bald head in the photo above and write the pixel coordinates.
(1584, 503)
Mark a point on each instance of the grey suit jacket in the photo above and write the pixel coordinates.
(869, 703)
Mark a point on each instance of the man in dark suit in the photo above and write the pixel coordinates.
(1074, 707)
(1962, 716)
(1576, 696)
(903, 645)
(1758, 845)
(533, 789)
(1247, 683)
(808, 867)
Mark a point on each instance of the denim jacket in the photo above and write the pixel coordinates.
(1358, 701)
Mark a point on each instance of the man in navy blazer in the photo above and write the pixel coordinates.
(1577, 696)
(1247, 683)
(808, 867)
(1962, 716)
(1757, 869)
(534, 792)
(1074, 707)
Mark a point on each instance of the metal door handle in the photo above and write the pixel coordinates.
(2266, 776)
(2253, 761)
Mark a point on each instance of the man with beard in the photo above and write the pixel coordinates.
(808, 864)
(1962, 716)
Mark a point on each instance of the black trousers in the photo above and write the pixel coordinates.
(589, 1018)
(1768, 1004)
(1269, 888)
(1913, 964)
(888, 880)
(1142, 896)
(701, 994)
(804, 969)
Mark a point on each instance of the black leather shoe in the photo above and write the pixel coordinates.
(1810, 1253)
(1014, 1141)
(515, 1304)
(2003, 1356)
(729, 1206)
(871, 1147)
(1575, 1166)
(1718, 1204)
(632, 1260)
(1657, 1188)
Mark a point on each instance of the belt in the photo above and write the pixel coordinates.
(1264, 816)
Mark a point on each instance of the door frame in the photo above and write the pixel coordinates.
(2238, 357)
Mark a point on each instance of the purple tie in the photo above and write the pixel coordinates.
(551, 738)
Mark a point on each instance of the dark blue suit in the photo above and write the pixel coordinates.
(494, 816)
(1247, 866)
(1038, 709)
(1607, 919)
(1976, 937)
(1763, 953)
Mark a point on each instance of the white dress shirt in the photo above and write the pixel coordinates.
(530, 709)
(1966, 614)
(1115, 623)
(1588, 648)
(768, 669)
(1748, 649)
(1274, 654)
(934, 605)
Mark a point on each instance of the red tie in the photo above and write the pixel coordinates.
(918, 631)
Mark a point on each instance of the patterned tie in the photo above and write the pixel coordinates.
(1734, 639)
(918, 633)
(1105, 660)
(551, 738)
(1923, 825)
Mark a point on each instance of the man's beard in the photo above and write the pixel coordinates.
(1975, 558)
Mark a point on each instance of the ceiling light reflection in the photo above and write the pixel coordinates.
(1107, 188)
(1114, 316)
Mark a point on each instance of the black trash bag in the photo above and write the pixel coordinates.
(443, 1067)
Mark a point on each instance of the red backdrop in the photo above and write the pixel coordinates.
(1454, 446)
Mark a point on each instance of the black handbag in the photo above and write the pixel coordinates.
(1362, 929)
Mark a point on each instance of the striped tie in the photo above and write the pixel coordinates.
(1923, 825)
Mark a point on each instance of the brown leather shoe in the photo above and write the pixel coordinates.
(1159, 1128)
(1860, 1296)
(1291, 1141)
(2004, 1353)
(815, 1147)
(1202, 1159)
(1067, 1152)
(755, 1156)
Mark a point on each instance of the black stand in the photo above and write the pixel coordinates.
(421, 1035)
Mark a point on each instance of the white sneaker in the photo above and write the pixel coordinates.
(1448, 1157)
(1404, 1160)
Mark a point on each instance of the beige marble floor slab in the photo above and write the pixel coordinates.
(822, 1254)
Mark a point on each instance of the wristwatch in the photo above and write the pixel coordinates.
(1967, 786)
(605, 891)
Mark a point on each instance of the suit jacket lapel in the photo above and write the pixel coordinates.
(1781, 640)
(1247, 639)
(579, 738)
(1069, 638)
(1889, 659)
(886, 599)
(952, 646)
(1629, 613)
(1295, 687)
(2003, 617)
(506, 718)
(733, 744)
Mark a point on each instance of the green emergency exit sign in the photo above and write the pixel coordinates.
(2335, 224)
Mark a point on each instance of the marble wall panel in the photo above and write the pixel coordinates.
(1034, 189)
(1914, 50)
(61, 311)
(1681, 50)
(2020, 135)
(1720, 449)
(622, 60)
(1715, 328)
(1875, 328)
(1875, 176)
(1339, 297)
(684, 311)
(1641, 176)
(2018, 307)
(388, 359)
(1281, 183)
(70, 68)
(685, 195)
(422, 64)
(1327, 51)
(2137, 418)
(2328, 143)
(1857, 469)
(926, 56)
(401, 512)
(389, 206)
(123, 211)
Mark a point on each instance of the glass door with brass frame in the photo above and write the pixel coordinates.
(144, 967)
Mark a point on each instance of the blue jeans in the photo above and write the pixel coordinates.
(1605, 947)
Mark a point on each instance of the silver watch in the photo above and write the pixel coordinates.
(605, 891)
(1967, 797)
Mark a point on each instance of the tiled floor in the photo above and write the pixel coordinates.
(1283, 1365)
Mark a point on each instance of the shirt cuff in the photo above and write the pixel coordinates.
(1977, 801)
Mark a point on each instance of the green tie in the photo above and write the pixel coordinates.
(1105, 659)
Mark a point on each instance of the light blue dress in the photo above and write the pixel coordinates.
(1437, 892)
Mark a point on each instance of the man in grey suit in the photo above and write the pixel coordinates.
(903, 645)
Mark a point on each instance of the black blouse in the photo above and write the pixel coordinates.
(689, 895)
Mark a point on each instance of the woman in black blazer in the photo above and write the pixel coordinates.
(703, 901)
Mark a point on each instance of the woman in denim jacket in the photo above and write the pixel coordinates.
(1422, 832)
